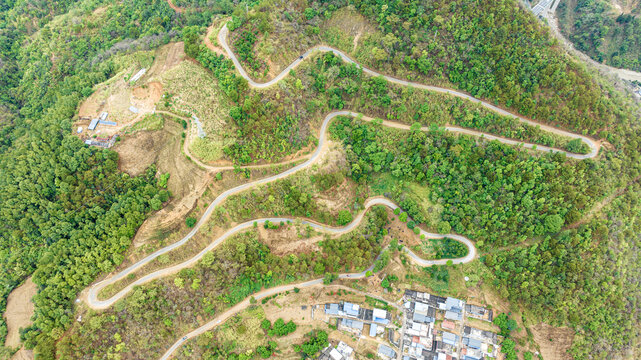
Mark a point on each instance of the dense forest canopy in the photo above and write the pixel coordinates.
(608, 34)
(68, 213)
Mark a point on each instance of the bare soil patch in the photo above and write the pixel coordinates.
(19, 311)
(117, 94)
(286, 240)
(23, 354)
(187, 181)
(554, 342)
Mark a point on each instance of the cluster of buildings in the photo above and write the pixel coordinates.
(102, 119)
(435, 329)
(353, 318)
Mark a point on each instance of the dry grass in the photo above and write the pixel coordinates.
(19, 311)
(192, 90)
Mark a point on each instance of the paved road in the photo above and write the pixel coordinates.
(263, 294)
(95, 289)
(594, 146)
(95, 303)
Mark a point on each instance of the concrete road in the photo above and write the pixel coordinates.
(95, 303)
(594, 146)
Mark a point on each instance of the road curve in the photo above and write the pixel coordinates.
(221, 167)
(95, 303)
(261, 295)
(549, 13)
(95, 289)
(594, 146)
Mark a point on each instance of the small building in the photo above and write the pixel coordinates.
(472, 343)
(453, 315)
(449, 338)
(335, 355)
(79, 129)
(331, 309)
(138, 75)
(93, 124)
(380, 316)
(351, 309)
(103, 116)
(448, 325)
(386, 352)
(452, 303)
(344, 350)
(133, 109)
(372, 330)
(352, 324)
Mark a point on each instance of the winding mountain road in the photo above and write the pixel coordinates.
(547, 10)
(594, 146)
(95, 303)
(95, 289)
(218, 320)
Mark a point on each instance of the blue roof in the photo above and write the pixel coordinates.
(452, 303)
(453, 315)
(372, 330)
(473, 343)
(331, 309)
(351, 309)
(422, 318)
(386, 351)
(354, 324)
(450, 338)
(93, 124)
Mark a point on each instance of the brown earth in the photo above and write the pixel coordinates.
(23, 354)
(554, 341)
(285, 240)
(176, 8)
(116, 95)
(187, 181)
(19, 311)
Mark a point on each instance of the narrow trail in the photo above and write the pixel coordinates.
(221, 167)
(174, 7)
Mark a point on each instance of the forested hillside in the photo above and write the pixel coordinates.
(491, 49)
(557, 236)
(608, 31)
(68, 213)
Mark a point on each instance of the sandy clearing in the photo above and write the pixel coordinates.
(187, 182)
(23, 354)
(19, 311)
(554, 342)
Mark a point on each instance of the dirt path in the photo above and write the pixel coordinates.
(176, 8)
(19, 311)
(208, 42)
(601, 204)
